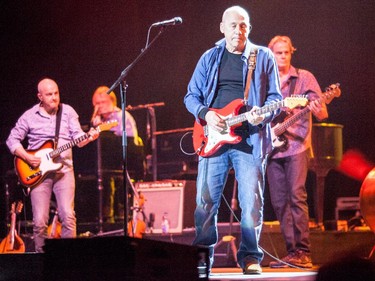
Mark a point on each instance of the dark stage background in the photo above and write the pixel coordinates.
(84, 44)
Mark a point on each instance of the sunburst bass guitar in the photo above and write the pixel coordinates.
(30, 177)
(207, 141)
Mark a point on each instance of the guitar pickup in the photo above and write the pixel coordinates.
(34, 175)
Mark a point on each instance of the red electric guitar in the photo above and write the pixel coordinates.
(207, 141)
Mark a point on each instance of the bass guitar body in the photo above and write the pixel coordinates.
(278, 141)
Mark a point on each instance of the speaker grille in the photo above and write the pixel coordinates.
(176, 198)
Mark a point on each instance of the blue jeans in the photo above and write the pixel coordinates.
(212, 176)
(286, 178)
(63, 186)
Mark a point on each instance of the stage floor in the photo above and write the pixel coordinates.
(234, 274)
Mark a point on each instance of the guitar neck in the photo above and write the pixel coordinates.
(279, 130)
(102, 127)
(263, 110)
(12, 230)
(68, 145)
(290, 121)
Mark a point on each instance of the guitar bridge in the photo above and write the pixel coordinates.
(34, 175)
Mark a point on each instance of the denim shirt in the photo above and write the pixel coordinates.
(265, 89)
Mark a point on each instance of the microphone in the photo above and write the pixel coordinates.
(174, 21)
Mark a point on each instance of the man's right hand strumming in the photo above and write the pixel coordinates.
(215, 121)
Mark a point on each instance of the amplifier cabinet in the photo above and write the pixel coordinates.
(172, 163)
(176, 198)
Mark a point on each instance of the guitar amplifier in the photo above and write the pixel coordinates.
(176, 198)
(172, 163)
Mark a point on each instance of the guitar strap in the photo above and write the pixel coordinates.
(293, 84)
(250, 66)
(58, 121)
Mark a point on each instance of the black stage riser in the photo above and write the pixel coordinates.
(156, 258)
(106, 258)
(325, 245)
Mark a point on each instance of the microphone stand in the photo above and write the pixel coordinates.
(151, 127)
(100, 184)
(230, 239)
(123, 86)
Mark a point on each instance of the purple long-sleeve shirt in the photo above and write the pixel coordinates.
(38, 128)
(299, 134)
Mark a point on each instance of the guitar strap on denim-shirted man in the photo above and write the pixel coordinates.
(251, 66)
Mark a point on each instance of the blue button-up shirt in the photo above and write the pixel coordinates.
(265, 88)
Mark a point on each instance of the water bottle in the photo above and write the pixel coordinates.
(165, 224)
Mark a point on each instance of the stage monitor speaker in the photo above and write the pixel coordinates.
(122, 258)
(174, 197)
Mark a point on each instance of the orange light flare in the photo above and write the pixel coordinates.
(355, 165)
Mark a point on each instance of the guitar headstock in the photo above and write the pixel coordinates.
(106, 126)
(292, 102)
(16, 208)
(19, 207)
(331, 92)
(13, 208)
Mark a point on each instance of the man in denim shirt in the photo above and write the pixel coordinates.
(218, 79)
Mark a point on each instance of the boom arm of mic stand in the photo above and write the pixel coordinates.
(123, 87)
(125, 72)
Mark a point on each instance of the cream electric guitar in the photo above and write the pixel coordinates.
(30, 177)
(277, 131)
(207, 141)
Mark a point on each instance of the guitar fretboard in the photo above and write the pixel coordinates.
(68, 145)
(263, 110)
(290, 121)
(325, 97)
